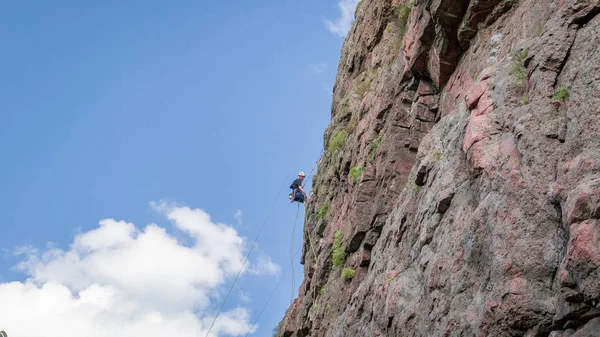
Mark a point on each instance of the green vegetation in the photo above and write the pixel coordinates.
(521, 55)
(362, 88)
(323, 210)
(562, 94)
(353, 123)
(518, 72)
(339, 255)
(348, 273)
(525, 100)
(327, 308)
(437, 155)
(402, 15)
(373, 152)
(356, 173)
(518, 69)
(404, 10)
(322, 291)
(342, 112)
(337, 141)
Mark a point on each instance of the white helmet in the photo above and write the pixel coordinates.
(302, 174)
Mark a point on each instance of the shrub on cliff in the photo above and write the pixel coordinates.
(356, 173)
(337, 141)
(323, 211)
(562, 94)
(518, 70)
(339, 255)
(402, 14)
(373, 152)
(348, 274)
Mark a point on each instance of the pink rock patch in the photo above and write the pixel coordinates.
(484, 106)
(580, 164)
(482, 155)
(479, 128)
(583, 203)
(581, 265)
(473, 95)
(584, 245)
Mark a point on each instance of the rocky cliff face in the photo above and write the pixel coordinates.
(459, 194)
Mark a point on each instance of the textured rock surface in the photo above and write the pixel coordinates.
(467, 189)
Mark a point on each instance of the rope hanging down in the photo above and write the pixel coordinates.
(294, 231)
(262, 227)
(292, 255)
(315, 165)
(247, 256)
(272, 293)
(316, 257)
(254, 244)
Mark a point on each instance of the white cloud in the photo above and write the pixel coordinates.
(244, 297)
(342, 25)
(121, 280)
(25, 250)
(318, 68)
(264, 266)
(238, 217)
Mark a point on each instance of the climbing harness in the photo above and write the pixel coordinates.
(297, 189)
(293, 195)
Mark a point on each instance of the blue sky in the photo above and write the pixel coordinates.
(199, 107)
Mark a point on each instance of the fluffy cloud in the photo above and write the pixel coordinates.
(264, 266)
(121, 280)
(238, 217)
(343, 24)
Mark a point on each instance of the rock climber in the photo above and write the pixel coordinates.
(298, 193)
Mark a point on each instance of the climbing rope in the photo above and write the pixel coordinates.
(247, 256)
(294, 231)
(261, 229)
(316, 257)
(272, 293)
(292, 254)
(315, 165)
(306, 231)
